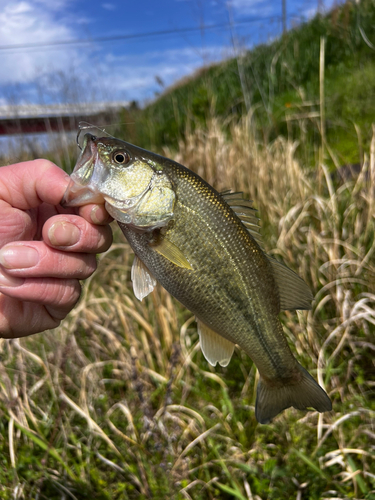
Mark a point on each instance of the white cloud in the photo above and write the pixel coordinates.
(87, 72)
(135, 74)
(24, 23)
(109, 6)
(56, 5)
(27, 22)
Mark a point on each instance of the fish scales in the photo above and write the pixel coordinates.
(189, 238)
(228, 290)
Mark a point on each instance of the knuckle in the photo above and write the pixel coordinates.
(44, 164)
(18, 227)
(64, 293)
(106, 239)
(97, 238)
(68, 293)
(87, 267)
(5, 326)
(67, 299)
(92, 264)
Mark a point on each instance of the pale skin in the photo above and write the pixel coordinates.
(45, 250)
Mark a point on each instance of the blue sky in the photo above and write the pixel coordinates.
(134, 68)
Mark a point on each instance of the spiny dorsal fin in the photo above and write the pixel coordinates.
(245, 212)
(169, 250)
(293, 291)
(143, 281)
(215, 348)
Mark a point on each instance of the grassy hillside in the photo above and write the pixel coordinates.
(279, 85)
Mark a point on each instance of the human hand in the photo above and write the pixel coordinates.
(44, 249)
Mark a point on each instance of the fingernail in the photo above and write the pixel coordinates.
(99, 215)
(64, 234)
(18, 257)
(6, 280)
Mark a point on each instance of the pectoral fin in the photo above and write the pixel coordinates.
(215, 348)
(169, 250)
(293, 291)
(143, 281)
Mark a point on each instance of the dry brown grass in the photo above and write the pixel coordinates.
(119, 403)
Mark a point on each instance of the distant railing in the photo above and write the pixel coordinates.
(28, 119)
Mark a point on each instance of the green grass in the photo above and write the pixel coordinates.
(280, 89)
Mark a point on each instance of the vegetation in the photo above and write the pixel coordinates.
(119, 403)
(279, 85)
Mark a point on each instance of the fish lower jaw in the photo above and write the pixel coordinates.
(119, 215)
(77, 195)
(142, 222)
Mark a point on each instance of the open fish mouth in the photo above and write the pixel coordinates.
(133, 190)
(83, 187)
(77, 195)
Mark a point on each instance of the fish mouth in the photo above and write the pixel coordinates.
(81, 189)
(77, 196)
(127, 199)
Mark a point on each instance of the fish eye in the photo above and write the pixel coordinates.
(121, 157)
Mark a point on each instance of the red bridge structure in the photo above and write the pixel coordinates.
(34, 118)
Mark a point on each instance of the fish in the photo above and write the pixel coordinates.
(205, 249)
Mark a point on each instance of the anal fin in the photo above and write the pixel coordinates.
(215, 348)
(143, 281)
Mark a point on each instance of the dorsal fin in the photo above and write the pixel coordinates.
(293, 291)
(215, 348)
(245, 212)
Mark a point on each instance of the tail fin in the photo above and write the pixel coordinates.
(274, 398)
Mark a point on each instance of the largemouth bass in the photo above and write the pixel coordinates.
(205, 249)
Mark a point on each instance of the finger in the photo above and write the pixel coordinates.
(35, 259)
(19, 319)
(75, 234)
(58, 296)
(96, 214)
(28, 184)
(16, 224)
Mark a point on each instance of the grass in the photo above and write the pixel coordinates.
(118, 402)
(280, 87)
